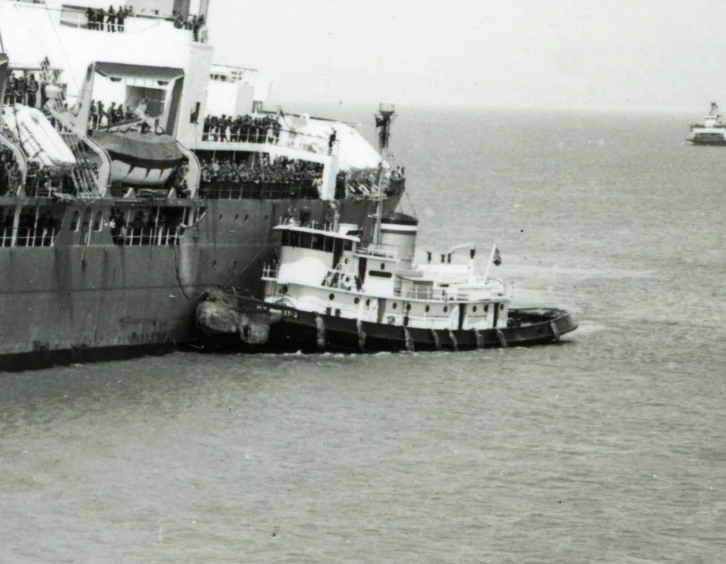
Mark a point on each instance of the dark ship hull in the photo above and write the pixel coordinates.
(87, 298)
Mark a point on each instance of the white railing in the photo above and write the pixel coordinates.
(161, 236)
(421, 294)
(270, 271)
(267, 136)
(27, 237)
(385, 251)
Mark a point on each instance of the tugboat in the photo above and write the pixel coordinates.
(330, 292)
(711, 132)
(345, 287)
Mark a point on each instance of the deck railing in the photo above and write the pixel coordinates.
(160, 236)
(27, 237)
(250, 190)
(270, 271)
(384, 251)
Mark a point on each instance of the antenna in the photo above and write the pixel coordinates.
(386, 114)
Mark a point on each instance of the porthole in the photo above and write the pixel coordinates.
(501, 307)
(383, 266)
(446, 308)
(356, 301)
(284, 289)
(486, 308)
(246, 217)
(428, 309)
(368, 303)
(395, 306)
(473, 309)
(331, 296)
(346, 261)
(408, 307)
(236, 217)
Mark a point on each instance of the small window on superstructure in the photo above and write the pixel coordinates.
(98, 221)
(347, 245)
(76, 221)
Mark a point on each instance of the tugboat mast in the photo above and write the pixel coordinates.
(384, 118)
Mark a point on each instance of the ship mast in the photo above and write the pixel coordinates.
(384, 118)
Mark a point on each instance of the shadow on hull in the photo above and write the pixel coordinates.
(38, 360)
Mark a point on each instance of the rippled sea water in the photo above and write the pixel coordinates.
(609, 447)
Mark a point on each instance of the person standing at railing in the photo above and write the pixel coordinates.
(223, 128)
(102, 115)
(91, 18)
(120, 16)
(111, 19)
(31, 87)
(112, 114)
(15, 179)
(93, 117)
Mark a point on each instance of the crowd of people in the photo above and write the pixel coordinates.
(22, 88)
(35, 228)
(101, 117)
(29, 88)
(10, 175)
(110, 20)
(162, 228)
(241, 129)
(283, 178)
(196, 24)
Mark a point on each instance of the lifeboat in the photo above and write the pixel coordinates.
(38, 137)
(140, 158)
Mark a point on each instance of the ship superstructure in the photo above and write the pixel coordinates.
(135, 173)
(711, 132)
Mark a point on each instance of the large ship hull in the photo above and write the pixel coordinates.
(100, 300)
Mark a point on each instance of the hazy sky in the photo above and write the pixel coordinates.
(522, 53)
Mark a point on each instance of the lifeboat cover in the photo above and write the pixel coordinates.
(140, 150)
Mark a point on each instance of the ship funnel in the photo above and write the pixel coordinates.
(399, 231)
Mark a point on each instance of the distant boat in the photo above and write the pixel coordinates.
(711, 132)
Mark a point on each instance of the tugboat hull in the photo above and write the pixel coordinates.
(291, 330)
(310, 332)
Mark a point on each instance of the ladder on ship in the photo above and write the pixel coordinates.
(86, 183)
